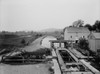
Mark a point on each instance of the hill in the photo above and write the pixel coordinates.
(51, 30)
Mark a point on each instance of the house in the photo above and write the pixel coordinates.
(74, 33)
(94, 42)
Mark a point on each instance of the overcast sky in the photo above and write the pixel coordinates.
(36, 15)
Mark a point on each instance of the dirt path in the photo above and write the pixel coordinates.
(34, 45)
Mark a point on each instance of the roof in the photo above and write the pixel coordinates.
(58, 41)
(77, 29)
(96, 35)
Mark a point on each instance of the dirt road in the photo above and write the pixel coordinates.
(34, 45)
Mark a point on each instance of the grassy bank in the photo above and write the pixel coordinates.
(9, 42)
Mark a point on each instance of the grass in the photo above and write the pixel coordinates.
(10, 43)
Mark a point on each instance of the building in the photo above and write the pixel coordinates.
(94, 42)
(74, 33)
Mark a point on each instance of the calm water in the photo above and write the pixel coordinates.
(45, 41)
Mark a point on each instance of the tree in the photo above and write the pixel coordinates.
(78, 23)
(96, 26)
(23, 42)
(89, 27)
(83, 44)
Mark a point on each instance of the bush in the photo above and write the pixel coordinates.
(83, 44)
(51, 70)
(43, 51)
(23, 42)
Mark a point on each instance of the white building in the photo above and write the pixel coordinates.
(94, 42)
(74, 33)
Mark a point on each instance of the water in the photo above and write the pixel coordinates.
(45, 41)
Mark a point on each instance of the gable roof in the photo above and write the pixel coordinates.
(96, 35)
(77, 29)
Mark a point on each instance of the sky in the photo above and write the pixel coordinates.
(36, 15)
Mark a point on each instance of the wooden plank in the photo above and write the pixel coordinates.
(56, 67)
(95, 71)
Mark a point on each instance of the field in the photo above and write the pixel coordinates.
(9, 42)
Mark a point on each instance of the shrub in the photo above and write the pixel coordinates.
(83, 44)
(43, 51)
(23, 41)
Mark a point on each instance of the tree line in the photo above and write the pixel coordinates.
(95, 27)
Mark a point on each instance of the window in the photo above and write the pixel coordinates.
(70, 36)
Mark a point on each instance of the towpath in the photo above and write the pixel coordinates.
(34, 45)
